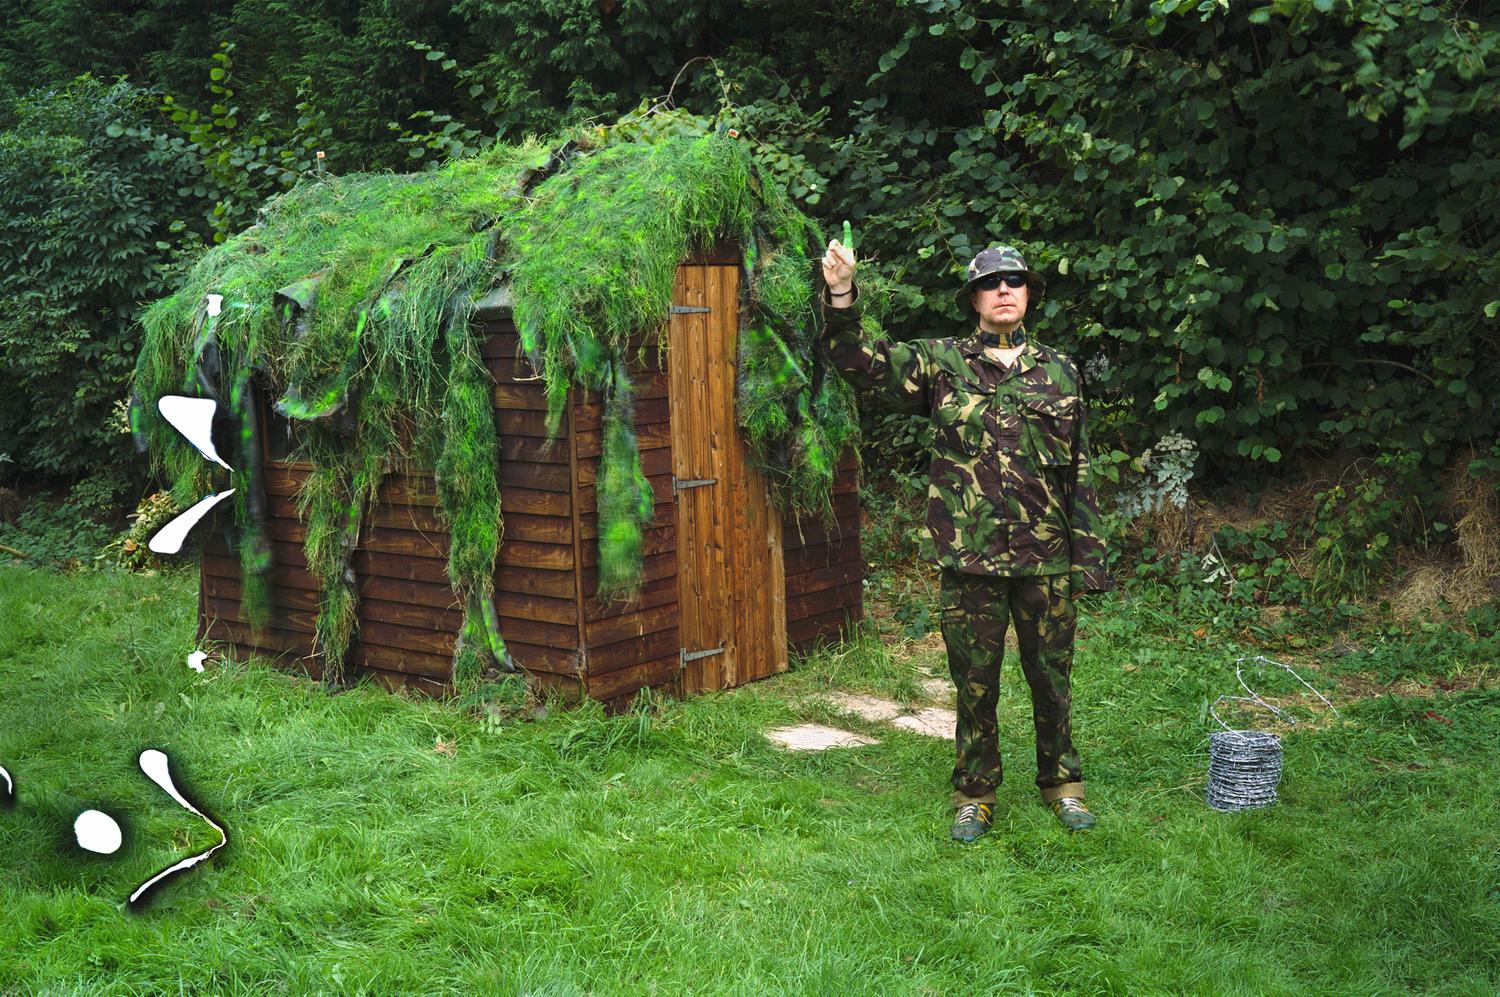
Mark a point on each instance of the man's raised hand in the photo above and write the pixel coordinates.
(838, 267)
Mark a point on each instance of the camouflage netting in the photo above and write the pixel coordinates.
(351, 302)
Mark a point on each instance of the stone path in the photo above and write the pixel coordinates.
(938, 687)
(935, 721)
(932, 721)
(816, 737)
(871, 708)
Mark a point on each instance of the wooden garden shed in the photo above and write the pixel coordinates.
(728, 586)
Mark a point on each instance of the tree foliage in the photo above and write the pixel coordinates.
(1272, 228)
(86, 235)
(1267, 229)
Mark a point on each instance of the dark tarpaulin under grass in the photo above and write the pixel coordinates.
(351, 301)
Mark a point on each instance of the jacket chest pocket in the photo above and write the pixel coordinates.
(962, 417)
(1049, 421)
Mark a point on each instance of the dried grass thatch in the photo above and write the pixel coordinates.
(1472, 577)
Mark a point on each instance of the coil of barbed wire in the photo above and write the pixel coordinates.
(1244, 766)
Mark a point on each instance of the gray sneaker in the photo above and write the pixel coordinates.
(1072, 814)
(971, 821)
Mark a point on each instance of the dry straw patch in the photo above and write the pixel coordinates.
(1289, 499)
(1473, 578)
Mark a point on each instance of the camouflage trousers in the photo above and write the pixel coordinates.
(975, 610)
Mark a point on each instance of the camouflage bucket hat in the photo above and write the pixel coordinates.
(998, 259)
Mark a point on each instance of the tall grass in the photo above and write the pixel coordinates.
(382, 845)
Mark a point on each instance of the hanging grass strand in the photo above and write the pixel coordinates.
(624, 494)
(469, 497)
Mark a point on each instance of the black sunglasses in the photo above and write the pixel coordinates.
(994, 280)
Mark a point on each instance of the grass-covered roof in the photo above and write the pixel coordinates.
(351, 300)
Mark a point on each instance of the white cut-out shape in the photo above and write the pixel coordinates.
(10, 788)
(215, 303)
(98, 832)
(168, 539)
(154, 764)
(194, 419)
(196, 659)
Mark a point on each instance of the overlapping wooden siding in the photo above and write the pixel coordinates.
(407, 608)
(630, 643)
(536, 583)
(824, 569)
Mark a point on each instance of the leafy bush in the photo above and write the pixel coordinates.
(56, 534)
(151, 514)
(1356, 525)
(85, 236)
(1267, 261)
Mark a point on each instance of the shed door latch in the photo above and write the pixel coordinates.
(683, 484)
(688, 310)
(684, 655)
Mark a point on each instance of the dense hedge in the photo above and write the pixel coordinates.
(1274, 233)
(85, 236)
(1273, 228)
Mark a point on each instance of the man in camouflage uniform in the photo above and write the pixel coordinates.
(1011, 515)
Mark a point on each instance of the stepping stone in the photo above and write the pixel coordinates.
(816, 737)
(934, 721)
(938, 688)
(871, 708)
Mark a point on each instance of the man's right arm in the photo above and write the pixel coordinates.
(896, 373)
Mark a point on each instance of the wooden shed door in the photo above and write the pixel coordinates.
(730, 580)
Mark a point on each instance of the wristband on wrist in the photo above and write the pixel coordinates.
(840, 294)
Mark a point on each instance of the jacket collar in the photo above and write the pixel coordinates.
(973, 347)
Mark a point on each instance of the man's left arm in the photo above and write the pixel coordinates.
(1089, 571)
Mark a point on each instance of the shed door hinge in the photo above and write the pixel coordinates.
(683, 484)
(684, 655)
(688, 309)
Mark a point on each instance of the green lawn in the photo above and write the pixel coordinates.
(674, 850)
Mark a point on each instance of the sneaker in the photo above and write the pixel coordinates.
(1071, 813)
(971, 821)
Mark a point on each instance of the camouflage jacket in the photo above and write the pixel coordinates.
(1009, 487)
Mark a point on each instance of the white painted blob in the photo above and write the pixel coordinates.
(196, 659)
(194, 419)
(215, 303)
(154, 764)
(168, 539)
(98, 832)
(10, 786)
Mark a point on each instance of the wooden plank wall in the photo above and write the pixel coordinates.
(408, 613)
(536, 574)
(824, 569)
(632, 643)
